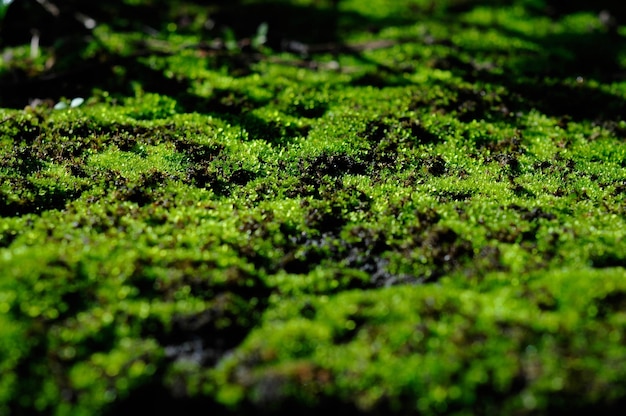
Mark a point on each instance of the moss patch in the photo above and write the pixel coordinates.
(420, 210)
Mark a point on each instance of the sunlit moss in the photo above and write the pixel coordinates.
(424, 215)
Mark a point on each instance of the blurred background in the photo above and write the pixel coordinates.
(64, 48)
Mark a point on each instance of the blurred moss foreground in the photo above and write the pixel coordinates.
(360, 207)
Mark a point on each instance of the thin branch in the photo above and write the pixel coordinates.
(7, 119)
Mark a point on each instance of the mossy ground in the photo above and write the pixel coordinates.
(394, 207)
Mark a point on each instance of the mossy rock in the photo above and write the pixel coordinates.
(418, 212)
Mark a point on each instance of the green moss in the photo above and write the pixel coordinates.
(437, 346)
(421, 212)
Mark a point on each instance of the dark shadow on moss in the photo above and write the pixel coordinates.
(567, 95)
(556, 82)
(57, 21)
(554, 77)
(72, 76)
(564, 55)
(27, 198)
(202, 339)
(606, 260)
(157, 400)
(594, 54)
(221, 101)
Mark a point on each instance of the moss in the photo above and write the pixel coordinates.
(417, 211)
(435, 347)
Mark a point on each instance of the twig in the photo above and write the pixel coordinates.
(7, 119)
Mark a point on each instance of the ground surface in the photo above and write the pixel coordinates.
(383, 207)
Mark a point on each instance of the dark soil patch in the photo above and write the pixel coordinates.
(325, 171)
(24, 197)
(389, 138)
(147, 189)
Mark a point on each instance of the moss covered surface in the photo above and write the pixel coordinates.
(394, 207)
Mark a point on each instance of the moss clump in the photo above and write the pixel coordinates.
(440, 349)
(420, 211)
